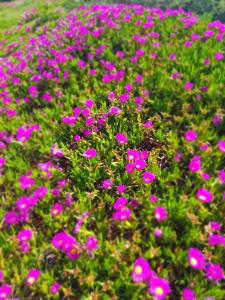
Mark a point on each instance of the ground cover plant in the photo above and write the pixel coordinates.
(112, 158)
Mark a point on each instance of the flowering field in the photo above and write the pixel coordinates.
(112, 157)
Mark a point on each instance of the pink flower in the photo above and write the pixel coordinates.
(91, 244)
(122, 215)
(204, 195)
(55, 287)
(141, 270)
(153, 199)
(26, 182)
(5, 291)
(24, 235)
(121, 188)
(33, 92)
(196, 259)
(190, 136)
(195, 164)
(56, 209)
(32, 277)
(132, 154)
(160, 214)
(188, 86)
(90, 153)
(159, 288)
(121, 138)
(221, 176)
(120, 203)
(221, 146)
(148, 177)
(218, 56)
(158, 233)
(214, 272)
(188, 294)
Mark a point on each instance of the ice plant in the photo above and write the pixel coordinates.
(5, 291)
(188, 294)
(141, 270)
(56, 209)
(55, 287)
(121, 138)
(91, 244)
(148, 177)
(214, 272)
(160, 214)
(204, 195)
(122, 215)
(221, 146)
(32, 277)
(90, 153)
(190, 136)
(159, 288)
(196, 259)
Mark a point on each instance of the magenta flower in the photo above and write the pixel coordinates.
(106, 184)
(188, 294)
(188, 86)
(73, 251)
(190, 136)
(132, 154)
(158, 233)
(32, 277)
(148, 124)
(121, 189)
(56, 209)
(214, 272)
(218, 56)
(5, 291)
(217, 120)
(148, 177)
(24, 247)
(26, 182)
(11, 218)
(221, 176)
(55, 152)
(204, 147)
(160, 214)
(24, 235)
(130, 168)
(204, 195)
(33, 92)
(159, 288)
(90, 153)
(141, 270)
(214, 226)
(196, 259)
(140, 164)
(153, 199)
(121, 138)
(221, 146)
(55, 287)
(195, 164)
(91, 244)
(122, 215)
(120, 203)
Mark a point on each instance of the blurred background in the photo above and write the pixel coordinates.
(34, 13)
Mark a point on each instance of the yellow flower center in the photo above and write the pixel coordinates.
(193, 261)
(138, 270)
(73, 251)
(159, 291)
(31, 280)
